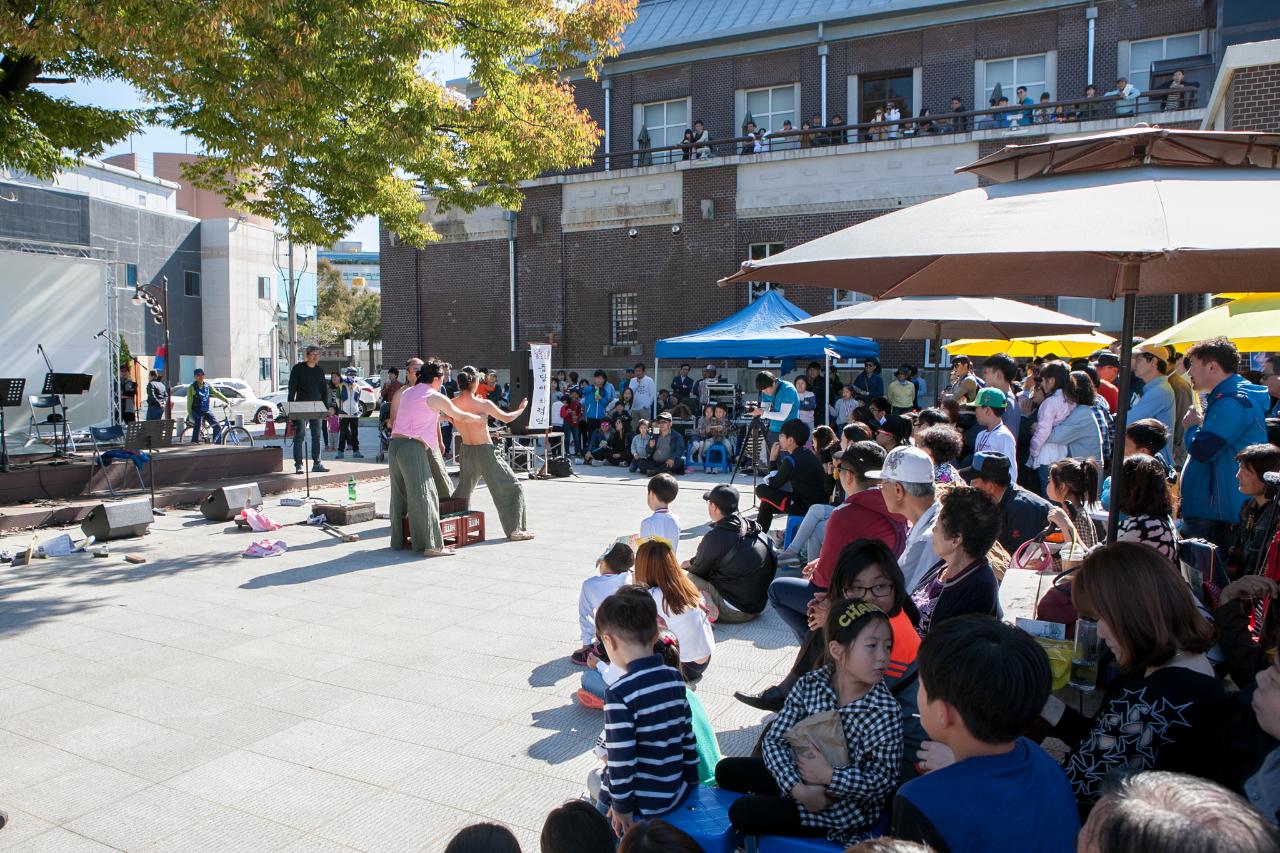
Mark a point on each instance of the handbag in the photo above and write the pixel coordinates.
(823, 730)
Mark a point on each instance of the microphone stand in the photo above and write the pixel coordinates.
(62, 402)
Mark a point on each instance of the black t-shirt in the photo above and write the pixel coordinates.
(308, 384)
(803, 472)
(128, 395)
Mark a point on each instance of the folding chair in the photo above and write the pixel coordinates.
(110, 438)
(51, 423)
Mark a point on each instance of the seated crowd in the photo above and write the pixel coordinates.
(911, 699)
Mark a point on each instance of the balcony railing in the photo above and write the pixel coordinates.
(1008, 118)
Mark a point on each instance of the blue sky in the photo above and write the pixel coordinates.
(117, 94)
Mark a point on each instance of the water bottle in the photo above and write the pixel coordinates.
(351, 488)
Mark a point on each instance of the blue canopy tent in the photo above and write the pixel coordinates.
(760, 331)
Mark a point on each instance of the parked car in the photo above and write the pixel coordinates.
(277, 399)
(249, 404)
(368, 400)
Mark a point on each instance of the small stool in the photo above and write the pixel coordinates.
(793, 524)
(788, 844)
(715, 458)
(704, 814)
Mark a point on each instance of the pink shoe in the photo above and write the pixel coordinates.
(587, 699)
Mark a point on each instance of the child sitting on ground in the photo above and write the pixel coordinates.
(982, 683)
(837, 788)
(651, 754)
(680, 605)
(663, 524)
(613, 571)
(638, 442)
(602, 675)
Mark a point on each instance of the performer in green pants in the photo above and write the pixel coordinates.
(411, 455)
(479, 458)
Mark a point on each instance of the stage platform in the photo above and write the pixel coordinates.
(43, 494)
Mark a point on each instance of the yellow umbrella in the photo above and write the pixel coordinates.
(1251, 322)
(1067, 346)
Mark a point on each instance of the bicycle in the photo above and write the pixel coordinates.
(235, 436)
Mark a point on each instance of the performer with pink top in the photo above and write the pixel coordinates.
(412, 455)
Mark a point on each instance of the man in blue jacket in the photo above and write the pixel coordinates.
(596, 398)
(1233, 419)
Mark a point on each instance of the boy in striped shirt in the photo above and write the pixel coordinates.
(652, 761)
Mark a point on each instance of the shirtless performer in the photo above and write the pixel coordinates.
(415, 436)
(479, 458)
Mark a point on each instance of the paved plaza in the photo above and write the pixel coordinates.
(339, 697)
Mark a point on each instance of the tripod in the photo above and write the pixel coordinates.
(755, 432)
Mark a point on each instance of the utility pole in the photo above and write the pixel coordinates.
(293, 307)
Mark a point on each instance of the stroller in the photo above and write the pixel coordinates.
(384, 430)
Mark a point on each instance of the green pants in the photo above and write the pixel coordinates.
(413, 494)
(477, 461)
(728, 616)
(444, 486)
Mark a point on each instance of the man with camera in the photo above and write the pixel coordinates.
(664, 450)
(778, 404)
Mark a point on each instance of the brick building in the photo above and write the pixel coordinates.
(627, 251)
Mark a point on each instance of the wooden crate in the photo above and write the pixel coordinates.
(462, 530)
(345, 513)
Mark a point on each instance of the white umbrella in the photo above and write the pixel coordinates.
(935, 318)
(1114, 215)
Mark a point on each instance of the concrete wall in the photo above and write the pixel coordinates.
(238, 325)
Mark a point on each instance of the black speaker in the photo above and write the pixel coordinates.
(118, 520)
(225, 503)
(521, 388)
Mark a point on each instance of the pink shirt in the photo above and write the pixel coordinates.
(415, 418)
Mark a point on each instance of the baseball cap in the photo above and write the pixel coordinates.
(905, 465)
(350, 371)
(897, 426)
(1161, 353)
(724, 497)
(860, 456)
(989, 465)
(663, 416)
(710, 367)
(1106, 358)
(991, 397)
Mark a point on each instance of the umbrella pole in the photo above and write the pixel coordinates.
(826, 392)
(937, 364)
(1129, 287)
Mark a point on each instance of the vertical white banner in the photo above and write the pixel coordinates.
(540, 398)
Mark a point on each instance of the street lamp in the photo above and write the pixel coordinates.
(146, 294)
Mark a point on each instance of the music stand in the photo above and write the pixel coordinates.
(10, 398)
(299, 412)
(62, 384)
(149, 436)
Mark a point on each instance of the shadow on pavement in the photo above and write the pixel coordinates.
(332, 568)
(575, 730)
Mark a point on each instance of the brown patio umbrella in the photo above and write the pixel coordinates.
(1141, 211)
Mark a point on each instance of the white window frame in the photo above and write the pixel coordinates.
(740, 107)
(756, 289)
(1124, 54)
(613, 318)
(1092, 314)
(638, 120)
(853, 94)
(980, 78)
(928, 356)
(264, 287)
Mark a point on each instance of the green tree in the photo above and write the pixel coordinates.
(315, 113)
(366, 321)
(334, 303)
(124, 355)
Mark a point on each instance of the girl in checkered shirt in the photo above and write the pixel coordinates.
(795, 790)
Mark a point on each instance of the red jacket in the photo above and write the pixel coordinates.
(863, 515)
(571, 411)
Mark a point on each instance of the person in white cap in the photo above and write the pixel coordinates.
(906, 482)
(702, 388)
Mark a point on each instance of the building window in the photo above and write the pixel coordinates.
(769, 108)
(758, 252)
(666, 122)
(1143, 53)
(624, 319)
(1107, 313)
(131, 275)
(1029, 71)
(264, 368)
(879, 90)
(845, 298)
(264, 288)
(192, 283)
